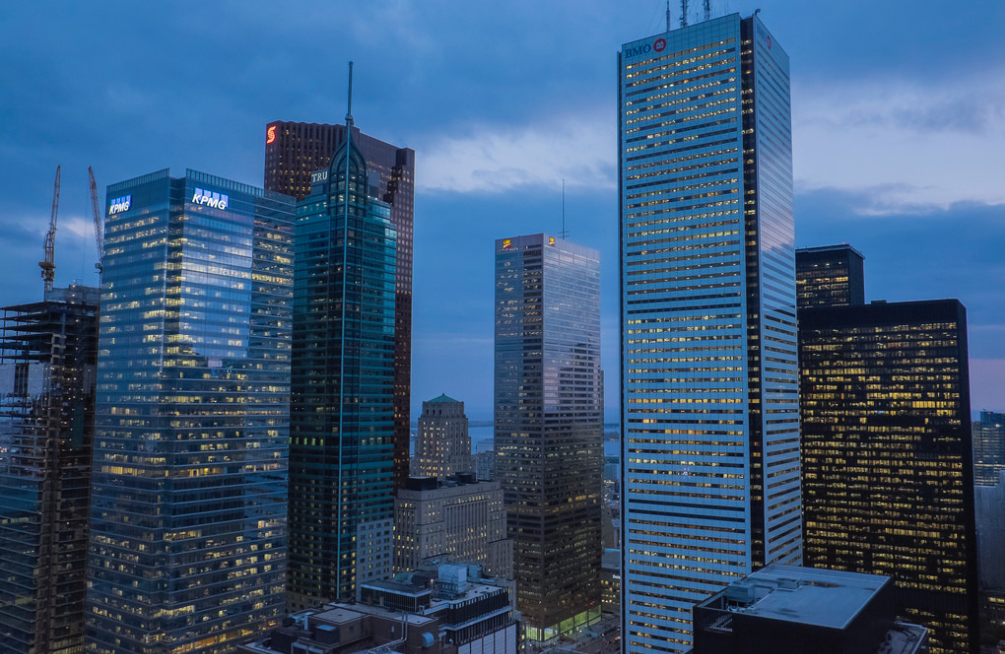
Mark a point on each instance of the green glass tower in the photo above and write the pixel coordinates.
(341, 506)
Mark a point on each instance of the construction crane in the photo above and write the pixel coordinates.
(99, 232)
(48, 265)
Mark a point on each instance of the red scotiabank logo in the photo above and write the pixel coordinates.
(659, 45)
(270, 134)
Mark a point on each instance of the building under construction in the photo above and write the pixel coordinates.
(48, 352)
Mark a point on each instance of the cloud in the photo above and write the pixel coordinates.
(490, 158)
(923, 144)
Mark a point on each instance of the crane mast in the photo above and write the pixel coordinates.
(48, 264)
(99, 232)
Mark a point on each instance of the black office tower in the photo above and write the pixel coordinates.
(886, 456)
(829, 276)
(296, 151)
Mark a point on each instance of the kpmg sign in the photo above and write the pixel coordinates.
(659, 45)
(118, 205)
(210, 199)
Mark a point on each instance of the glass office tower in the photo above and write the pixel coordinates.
(888, 479)
(709, 387)
(342, 425)
(829, 276)
(188, 507)
(294, 152)
(549, 427)
(48, 352)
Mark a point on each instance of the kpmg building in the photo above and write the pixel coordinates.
(549, 427)
(710, 447)
(188, 506)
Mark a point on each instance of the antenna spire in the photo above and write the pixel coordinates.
(564, 233)
(683, 13)
(708, 9)
(348, 114)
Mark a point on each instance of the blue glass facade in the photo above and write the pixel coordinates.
(549, 427)
(710, 447)
(342, 423)
(188, 510)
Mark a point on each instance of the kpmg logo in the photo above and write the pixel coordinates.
(210, 199)
(659, 45)
(118, 205)
(319, 176)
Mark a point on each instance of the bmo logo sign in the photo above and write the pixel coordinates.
(659, 45)
(210, 199)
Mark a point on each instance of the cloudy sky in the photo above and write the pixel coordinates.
(898, 129)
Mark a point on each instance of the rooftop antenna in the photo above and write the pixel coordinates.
(708, 9)
(668, 15)
(683, 13)
(348, 113)
(565, 234)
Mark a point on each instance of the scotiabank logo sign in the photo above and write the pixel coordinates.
(210, 199)
(659, 45)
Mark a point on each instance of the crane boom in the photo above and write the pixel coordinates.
(48, 264)
(99, 232)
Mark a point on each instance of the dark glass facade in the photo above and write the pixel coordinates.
(887, 474)
(293, 153)
(188, 507)
(549, 427)
(709, 380)
(989, 448)
(343, 393)
(829, 276)
(48, 353)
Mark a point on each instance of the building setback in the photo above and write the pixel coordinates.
(709, 379)
(456, 517)
(342, 425)
(442, 446)
(549, 427)
(294, 153)
(188, 506)
(48, 353)
(887, 467)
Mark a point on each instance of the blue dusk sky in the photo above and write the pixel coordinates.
(898, 123)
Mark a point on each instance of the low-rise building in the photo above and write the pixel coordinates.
(458, 517)
(782, 609)
(446, 609)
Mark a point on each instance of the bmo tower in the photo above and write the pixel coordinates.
(189, 476)
(709, 351)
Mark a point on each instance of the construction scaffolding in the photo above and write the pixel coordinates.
(48, 355)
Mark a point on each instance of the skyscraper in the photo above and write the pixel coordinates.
(709, 386)
(48, 351)
(549, 427)
(887, 469)
(293, 153)
(989, 448)
(829, 276)
(342, 432)
(188, 507)
(442, 446)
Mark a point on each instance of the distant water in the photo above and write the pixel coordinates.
(482, 434)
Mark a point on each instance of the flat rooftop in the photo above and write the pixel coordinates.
(826, 598)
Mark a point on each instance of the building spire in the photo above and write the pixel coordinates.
(668, 15)
(349, 112)
(683, 13)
